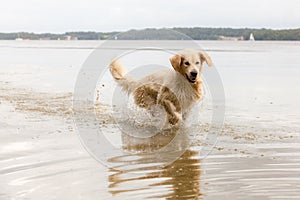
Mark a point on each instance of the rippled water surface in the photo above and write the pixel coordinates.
(257, 154)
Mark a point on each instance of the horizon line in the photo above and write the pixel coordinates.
(139, 29)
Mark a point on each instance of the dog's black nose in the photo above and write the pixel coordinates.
(194, 74)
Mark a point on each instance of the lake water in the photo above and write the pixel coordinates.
(257, 154)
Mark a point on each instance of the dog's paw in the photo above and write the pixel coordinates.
(173, 121)
(167, 126)
(175, 118)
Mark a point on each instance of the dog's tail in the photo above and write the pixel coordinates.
(117, 70)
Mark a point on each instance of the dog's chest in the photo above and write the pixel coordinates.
(178, 85)
(185, 95)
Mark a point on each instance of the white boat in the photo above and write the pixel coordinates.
(251, 38)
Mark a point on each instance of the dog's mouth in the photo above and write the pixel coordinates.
(190, 80)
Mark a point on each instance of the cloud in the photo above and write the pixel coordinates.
(105, 15)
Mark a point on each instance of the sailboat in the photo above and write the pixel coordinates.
(251, 38)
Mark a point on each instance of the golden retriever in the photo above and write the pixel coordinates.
(176, 90)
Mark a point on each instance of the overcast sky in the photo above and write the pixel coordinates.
(109, 15)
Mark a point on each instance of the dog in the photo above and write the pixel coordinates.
(175, 90)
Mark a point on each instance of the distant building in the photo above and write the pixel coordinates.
(22, 39)
(221, 37)
(69, 37)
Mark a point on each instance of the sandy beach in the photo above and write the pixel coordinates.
(257, 154)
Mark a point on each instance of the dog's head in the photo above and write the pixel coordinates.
(189, 64)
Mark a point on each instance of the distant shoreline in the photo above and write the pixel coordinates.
(165, 34)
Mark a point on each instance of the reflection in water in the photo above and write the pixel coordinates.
(143, 175)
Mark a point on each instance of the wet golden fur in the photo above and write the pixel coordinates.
(176, 90)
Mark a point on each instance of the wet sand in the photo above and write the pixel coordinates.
(257, 154)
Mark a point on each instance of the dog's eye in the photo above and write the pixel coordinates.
(187, 63)
(197, 63)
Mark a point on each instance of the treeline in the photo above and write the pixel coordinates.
(164, 34)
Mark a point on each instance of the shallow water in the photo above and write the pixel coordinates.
(257, 154)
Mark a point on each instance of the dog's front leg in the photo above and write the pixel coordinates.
(171, 105)
(173, 114)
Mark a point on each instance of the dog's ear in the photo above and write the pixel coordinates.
(176, 62)
(206, 58)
